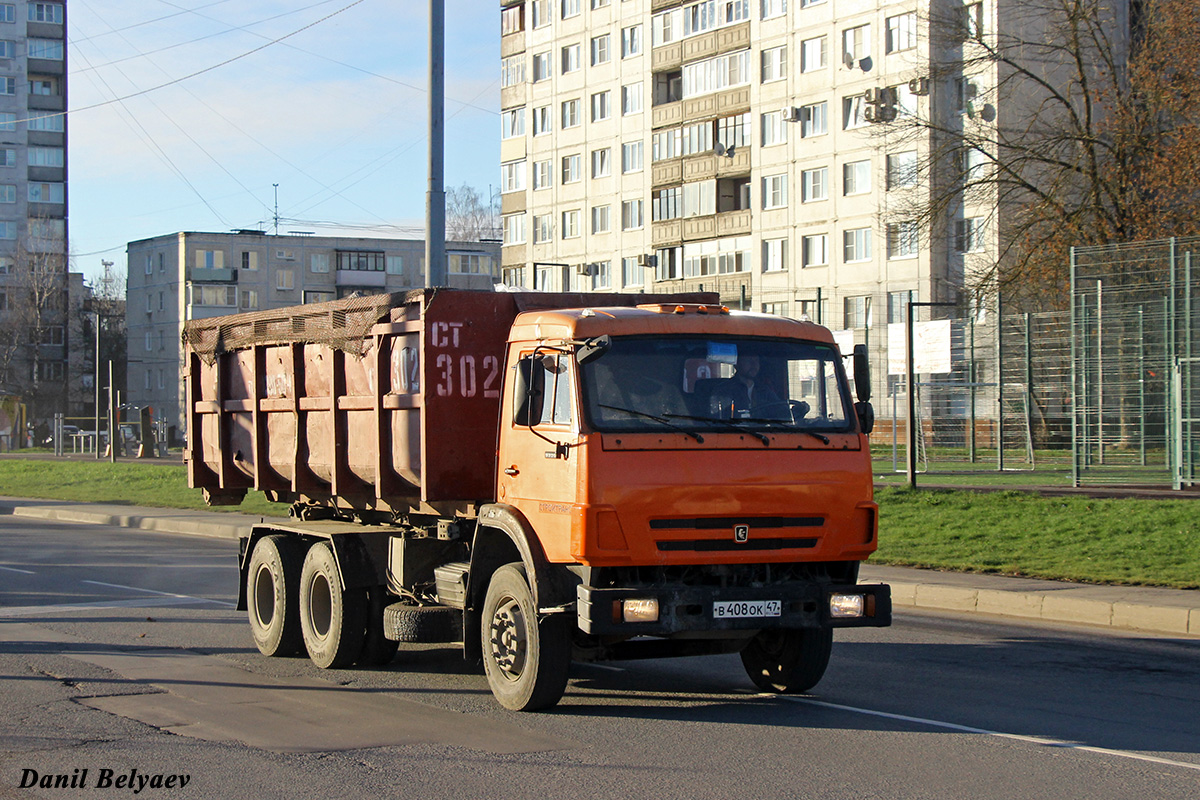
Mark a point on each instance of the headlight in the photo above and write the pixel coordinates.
(842, 606)
(640, 610)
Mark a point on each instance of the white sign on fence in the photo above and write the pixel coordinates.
(931, 347)
(844, 340)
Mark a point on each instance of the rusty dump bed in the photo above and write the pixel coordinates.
(388, 402)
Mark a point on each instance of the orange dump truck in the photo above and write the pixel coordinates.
(542, 477)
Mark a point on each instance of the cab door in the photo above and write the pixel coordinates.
(539, 460)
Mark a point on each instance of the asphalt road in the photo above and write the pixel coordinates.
(121, 651)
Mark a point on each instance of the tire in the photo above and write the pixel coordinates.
(273, 595)
(788, 661)
(377, 649)
(526, 659)
(332, 619)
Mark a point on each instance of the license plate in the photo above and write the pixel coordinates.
(735, 609)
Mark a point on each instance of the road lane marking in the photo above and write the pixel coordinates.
(62, 608)
(161, 594)
(1038, 740)
(14, 569)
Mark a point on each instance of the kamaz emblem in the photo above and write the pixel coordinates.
(741, 533)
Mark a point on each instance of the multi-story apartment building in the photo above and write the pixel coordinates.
(758, 148)
(33, 207)
(183, 276)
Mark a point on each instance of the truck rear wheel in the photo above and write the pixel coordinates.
(526, 659)
(788, 661)
(273, 595)
(332, 619)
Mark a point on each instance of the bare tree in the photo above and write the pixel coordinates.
(1072, 124)
(469, 216)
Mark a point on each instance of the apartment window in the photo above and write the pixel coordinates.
(571, 170)
(542, 69)
(8, 193)
(570, 59)
(666, 203)
(631, 41)
(51, 122)
(602, 162)
(600, 219)
(146, 384)
(631, 98)
(965, 92)
(512, 176)
(47, 193)
(570, 8)
(716, 257)
(775, 309)
(149, 303)
(249, 298)
(969, 237)
(602, 277)
(857, 311)
(512, 71)
(665, 144)
(716, 74)
(813, 54)
(8, 157)
(897, 306)
(856, 245)
(318, 296)
(395, 265)
(512, 19)
(631, 215)
(632, 273)
(318, 262)
(543, 228)
(699, 199)
(45, 156)
(46, 12)
(600, 4)
(570, 114)
(902, 240)
(513, 228)
(773, 8)
(601, 106)
(631, 157)
(8, 230)
(539, 13)
(50, 49)
(814, 119)
(814, 185)
(8, 12)
(856, 43)
(774, 129)
(973, 21)
(541, 120)
(774, 191)
(512, 123)
(668, 87)
(570, 224)
(542, 175)
(854, 110)
(249, 259)
(43, 85)
(973, 165)
(774, 64)
(901, 32)
(774, 255)
(733, 131)
(8, 48)
(360, 261)
(902, 170)
(8, 85)
(856, 177)
(601, 54)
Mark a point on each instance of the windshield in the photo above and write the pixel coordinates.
(701, 383)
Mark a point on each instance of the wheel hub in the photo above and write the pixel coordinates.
(508, 639)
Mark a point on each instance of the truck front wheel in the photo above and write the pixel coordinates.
(273, 594)
(526, 659)
(788, 661)
(333, 619)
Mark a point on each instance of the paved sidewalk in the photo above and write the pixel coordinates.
(1169, 612)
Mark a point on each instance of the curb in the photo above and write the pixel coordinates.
(1167, 612)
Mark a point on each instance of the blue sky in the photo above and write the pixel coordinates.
(179, 121)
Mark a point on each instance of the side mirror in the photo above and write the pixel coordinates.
(866, 416)
(592, 349)
(862, 373)
(528, 386)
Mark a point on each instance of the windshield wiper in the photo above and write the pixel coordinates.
(728, 425)
(790, 426)
(657, 419)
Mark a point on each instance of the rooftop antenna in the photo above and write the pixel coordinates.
(276, 185)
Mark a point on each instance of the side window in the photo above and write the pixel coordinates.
(543, 392)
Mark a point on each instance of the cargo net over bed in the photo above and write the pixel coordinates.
(341, 324)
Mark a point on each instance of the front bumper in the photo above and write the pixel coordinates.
(685, 609)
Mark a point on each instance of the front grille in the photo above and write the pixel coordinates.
(718, 523)
(730, 545)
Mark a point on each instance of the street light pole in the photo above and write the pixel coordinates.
(96, 427)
